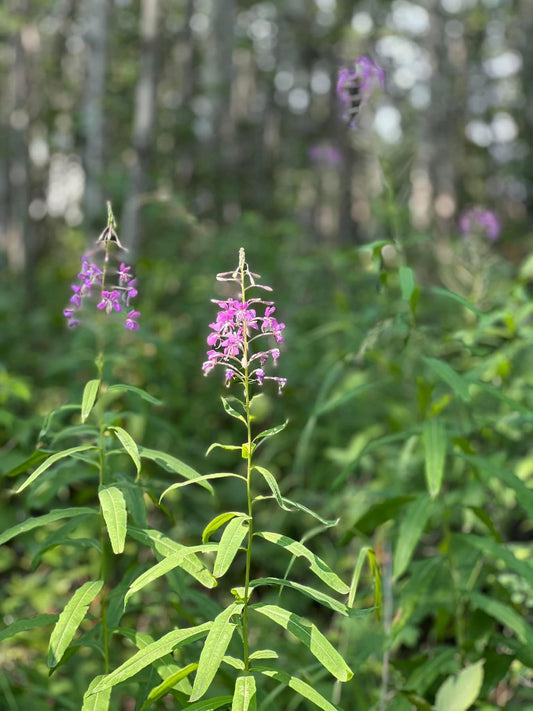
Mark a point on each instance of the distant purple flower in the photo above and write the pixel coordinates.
(238, 326)
(325, 154)
(112, 288)
(354, 86)
(478, 221)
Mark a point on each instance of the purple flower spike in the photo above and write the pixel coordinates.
(355, 86)
(478, 221)
(238, 327)
(99, 280)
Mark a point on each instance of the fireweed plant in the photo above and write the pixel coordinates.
(244, 341)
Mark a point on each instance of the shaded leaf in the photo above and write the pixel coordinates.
(174, 465)
(201, 479)
(28, 624)
(231, 411)
(499, 552)
(52, 459)
(122, 387)
(167, 685)
(216, 702)
(504, 614)
(411, 529)
(271, 431)
(446, 373)
(315, 595)
(376, 515)
(50, 517)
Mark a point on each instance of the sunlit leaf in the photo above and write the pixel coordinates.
(459, 691)
(231, 411)
(316, 564)
(271, 431)
(244, 696)
(229, 545)
(301, 687)
(435, 453)
(115, 516)
(310, 636)
(316, 595)
(174, 465)
(52, 460)
(167, 685)
(129, 444)
(445, 372)
(214, 649)
(201, 479)
(217, 522)
(216, 702)
(96, 702)
(88, 399)
(151, 653)
(70, 619)
(122, 387)
(50, 517)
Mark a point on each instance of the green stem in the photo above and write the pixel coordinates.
(246, 652)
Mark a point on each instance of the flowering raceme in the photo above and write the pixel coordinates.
(478, 221)
(354, 86)
(238, 325)
(113, 287)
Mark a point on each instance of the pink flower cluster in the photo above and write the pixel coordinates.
(111, 298)
(236, 328)
(479, 221)
(354, 86)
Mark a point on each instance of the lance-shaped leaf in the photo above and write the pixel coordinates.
(366, 552)
(270, 432)
(129, 444)
(219, 445)
(174, 465)
(50, 517)
(446, 373)
(499, 553)
(504, 614)
(214, 649)
(201, 479)
(229, 545)
(296, 684)
(435, 453)
(96, 702)
(316, 564)
(310, 592)
(122, 387)
(411, 529)
(217, 702)
(165, 546)
(217, 522)
(70, 619)
(115, 516)
(151, 653)
(52, 460)
(310, 636)
(164, 566)
(231, 411)
(244, 696)
(167, 685)
(25, 625)
(90, 392)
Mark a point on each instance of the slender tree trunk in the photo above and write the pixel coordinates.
(143, 124)
(96, 16)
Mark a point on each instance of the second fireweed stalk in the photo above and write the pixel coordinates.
(237, 328)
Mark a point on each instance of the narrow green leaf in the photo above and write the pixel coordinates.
(233, 661)
(50, 517)
(270, 432)
(216, 702)
(264, 654)
(164, 566)
(201, 479)
(174, 465)
(151, 653)
(375, 516)
(244, 696)
(296, 684)
(456, 297)
(316, 564)
(435, 453)
(52, 460)
(122, 387)
(165, 547)
(315, 595)
(70, 619)
(499, 553)
(272, 484)
(28, 624)
(231, 411)
(486, 520)
(217, 522)
(96, 702)
(411, 529)
(229, 545)
(339, 400)
(459, 691)
(129, 444)
(310, 636)
(290, 505)
(366, 552)
(504, 614)
(214, 649)
(167, 685)
(445, 372)
(90, 392)
(115, 516)
(407, 282)
(218, 445)
(34, 459)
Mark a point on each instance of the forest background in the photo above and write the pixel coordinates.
(214, 124)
